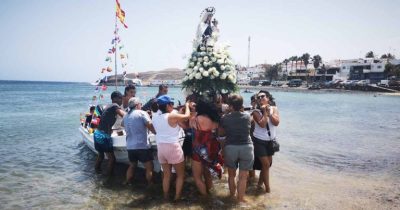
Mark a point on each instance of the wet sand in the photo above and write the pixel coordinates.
(293, 186)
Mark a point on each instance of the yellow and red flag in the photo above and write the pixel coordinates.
(121, 14)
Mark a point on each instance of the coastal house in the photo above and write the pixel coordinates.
(364, 69)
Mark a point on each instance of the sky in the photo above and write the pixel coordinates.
(47, 40)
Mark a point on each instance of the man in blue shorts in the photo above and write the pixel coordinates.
(102, 136)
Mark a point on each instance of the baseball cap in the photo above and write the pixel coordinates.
(164, 99)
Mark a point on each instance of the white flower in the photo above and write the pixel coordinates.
(220, 61)
(223, 76)
(201, 69)
(202, 48)
(216, 73)
(191, 64)
(200, 59)
(202, 53)
(205, 64)
(222, 67)
(191, 76)
(198, 76)
(227, 67)
(230, 77)
(194, 58)
(214, 59)
(205, 74)
(195, 68)
(212, 77)
(209, 48)
(198, 64)
(205, 58)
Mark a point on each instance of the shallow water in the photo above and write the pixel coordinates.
(338, 150)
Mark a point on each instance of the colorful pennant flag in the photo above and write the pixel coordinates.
(121, 14)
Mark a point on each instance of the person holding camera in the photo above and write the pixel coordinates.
(266, 120)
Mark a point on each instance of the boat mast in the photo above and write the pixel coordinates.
(248, 54)
(115, 53)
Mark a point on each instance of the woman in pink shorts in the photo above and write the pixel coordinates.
(170, 152)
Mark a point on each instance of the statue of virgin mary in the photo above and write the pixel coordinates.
(205, 29)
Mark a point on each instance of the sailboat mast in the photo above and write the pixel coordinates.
(115, 53)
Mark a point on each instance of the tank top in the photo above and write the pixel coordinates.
(262, 133)
(165, 133)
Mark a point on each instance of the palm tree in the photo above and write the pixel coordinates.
(292, 59)
(316, 62)
(370, 54)
(306, 60)
(295, 60)
(286, 61)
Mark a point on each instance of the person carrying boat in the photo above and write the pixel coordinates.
(170, 152)
(102, 136)
(238, 149)
(136, 123)
(130, 91)
(151, 105)
(266, 120)
(206, 157)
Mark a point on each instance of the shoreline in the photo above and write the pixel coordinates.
(306, 90)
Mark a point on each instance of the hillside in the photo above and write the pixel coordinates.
(166, 74)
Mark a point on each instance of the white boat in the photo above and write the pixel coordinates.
(135, 81)
(119, 143)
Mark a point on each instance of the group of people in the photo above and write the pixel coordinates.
(222, 135)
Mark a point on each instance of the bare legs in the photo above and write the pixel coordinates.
(241, 185)
(200, 171)
(264, 175)
(131, 171)
(111, 162)
(180, 176)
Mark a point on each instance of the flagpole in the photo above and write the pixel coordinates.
(115, 53)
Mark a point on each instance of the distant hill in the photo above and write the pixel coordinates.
(146, 77)
(165, 74)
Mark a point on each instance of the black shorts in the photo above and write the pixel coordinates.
(187, 146)
(142, 155)
(262, 148)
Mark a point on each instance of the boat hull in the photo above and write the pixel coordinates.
(120, 151)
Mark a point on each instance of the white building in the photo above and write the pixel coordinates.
(363, 69)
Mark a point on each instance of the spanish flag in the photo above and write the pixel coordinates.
(121, 14)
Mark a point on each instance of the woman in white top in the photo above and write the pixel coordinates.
(169, 150)
(266, 119)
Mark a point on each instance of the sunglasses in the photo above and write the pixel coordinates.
(261, 96)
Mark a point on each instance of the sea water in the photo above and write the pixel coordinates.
(338, 150)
